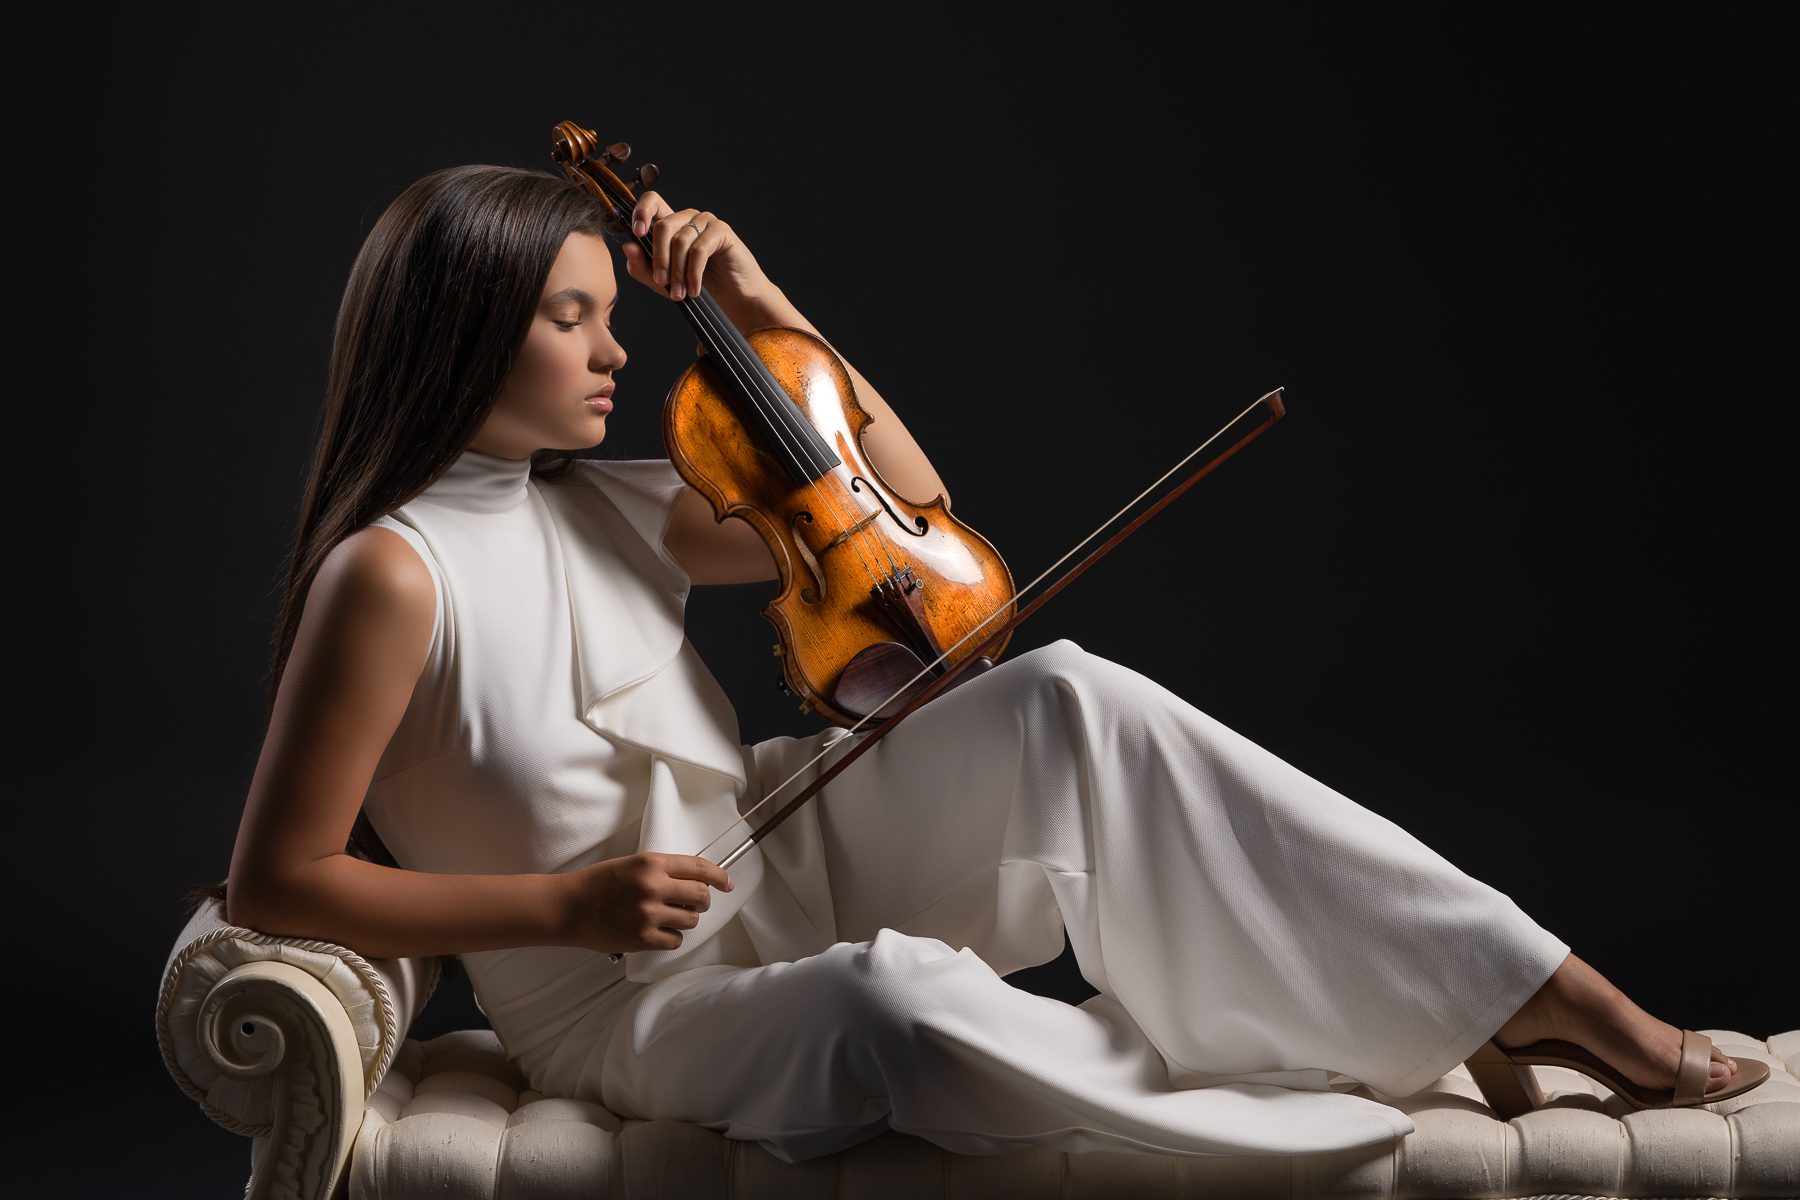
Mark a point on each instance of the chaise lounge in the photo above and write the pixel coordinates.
(301, 1045)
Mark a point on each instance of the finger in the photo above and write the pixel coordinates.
(675, 233)
(688, 260)
(677, 918)
(692, 866)
(649, 207)
(636, 265)
(660, 233)
(688, 894)
(710, 239)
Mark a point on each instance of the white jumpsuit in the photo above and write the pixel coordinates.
(1259, 942)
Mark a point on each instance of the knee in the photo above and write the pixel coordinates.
(889, 988)
(1043, 667)
(1062, 655)
(1062, 672)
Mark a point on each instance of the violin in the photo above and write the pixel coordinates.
(879, 592)
(885, 603)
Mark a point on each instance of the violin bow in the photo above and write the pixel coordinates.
(1270, 402)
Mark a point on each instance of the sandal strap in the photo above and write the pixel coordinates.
(1691, 1075)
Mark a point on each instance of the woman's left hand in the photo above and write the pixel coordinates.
(691, 247)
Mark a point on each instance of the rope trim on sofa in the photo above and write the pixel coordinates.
(390, 1031)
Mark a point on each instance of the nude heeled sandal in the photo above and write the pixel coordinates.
(1507, 1084)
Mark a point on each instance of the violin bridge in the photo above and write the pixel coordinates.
(852, 531)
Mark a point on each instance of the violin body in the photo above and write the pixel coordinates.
(874, 585)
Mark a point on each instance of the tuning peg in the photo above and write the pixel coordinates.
(647, 174)
(618, 152)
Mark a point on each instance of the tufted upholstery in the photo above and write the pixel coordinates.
(454, 1117)
(455, 1107)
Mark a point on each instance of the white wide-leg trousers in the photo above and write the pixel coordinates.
(1250, 932)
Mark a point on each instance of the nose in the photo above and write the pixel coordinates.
(608, 353)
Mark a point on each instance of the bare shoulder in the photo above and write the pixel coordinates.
(376, 564)
(373, 590)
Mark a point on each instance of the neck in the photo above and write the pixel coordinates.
(479, 482)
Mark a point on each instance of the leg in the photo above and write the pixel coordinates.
(1580, 1005)
(813, 1056)
(1250, 919)
(1248, 929)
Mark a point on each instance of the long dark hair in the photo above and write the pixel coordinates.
(437, 305)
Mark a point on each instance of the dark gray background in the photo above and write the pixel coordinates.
(1506, 574)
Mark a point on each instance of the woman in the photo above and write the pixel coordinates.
(482, 649)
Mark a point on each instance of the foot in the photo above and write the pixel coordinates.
(1577, 1004)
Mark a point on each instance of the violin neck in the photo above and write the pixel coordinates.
(787, 432)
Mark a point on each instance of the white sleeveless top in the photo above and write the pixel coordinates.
(562, 718)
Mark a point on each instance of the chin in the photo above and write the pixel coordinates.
(585, 439)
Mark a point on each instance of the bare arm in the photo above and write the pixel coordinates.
(361, 645)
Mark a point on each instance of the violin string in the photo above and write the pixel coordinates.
(791, 438)
(773, 792)
(780, 412)
(886, 547)
(749, 383)
(746, 378)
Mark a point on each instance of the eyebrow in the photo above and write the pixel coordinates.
(575, 293)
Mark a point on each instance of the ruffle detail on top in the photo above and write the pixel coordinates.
(642, 682)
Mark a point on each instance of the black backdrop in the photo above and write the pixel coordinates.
(1507, 574)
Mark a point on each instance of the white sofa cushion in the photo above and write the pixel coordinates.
(456, 1117)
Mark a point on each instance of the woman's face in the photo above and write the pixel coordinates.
(569, 355)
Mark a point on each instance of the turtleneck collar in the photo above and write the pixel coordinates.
(477, 482)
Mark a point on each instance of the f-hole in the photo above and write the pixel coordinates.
(918, 531)
(812, 564)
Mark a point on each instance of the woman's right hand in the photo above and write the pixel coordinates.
(639, 901)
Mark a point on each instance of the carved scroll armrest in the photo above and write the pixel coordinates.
(250, 1025)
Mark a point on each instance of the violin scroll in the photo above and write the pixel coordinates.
(573, 147)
